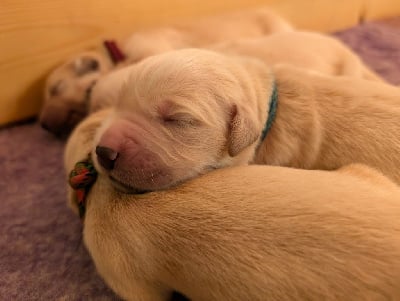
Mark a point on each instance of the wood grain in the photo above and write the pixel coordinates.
(378, 9)
(37, 35)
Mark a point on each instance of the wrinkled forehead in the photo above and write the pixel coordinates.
(177, 78)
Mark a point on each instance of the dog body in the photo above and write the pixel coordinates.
(187, 112)
(68, 87)
(246, 233)
(325, 123)
(309, 50)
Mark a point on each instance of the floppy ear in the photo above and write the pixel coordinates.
(243, 130)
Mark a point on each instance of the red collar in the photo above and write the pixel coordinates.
(114, 52)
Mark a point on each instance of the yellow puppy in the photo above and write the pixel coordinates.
(68, 87)
(246, 233)
(312, 51)
(186, 112)
(303, 49)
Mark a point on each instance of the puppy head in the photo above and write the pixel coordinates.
(180, 114)
(67, 91)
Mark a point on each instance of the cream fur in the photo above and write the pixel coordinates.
(303, 49)
(246, 233)
(67, 91)
(324, 123)
(313, 51)
(191, 111)
(63, 110)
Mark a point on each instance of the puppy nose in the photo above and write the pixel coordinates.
(106, 157)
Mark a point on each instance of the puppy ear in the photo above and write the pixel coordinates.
(86, 64)
(243, 130)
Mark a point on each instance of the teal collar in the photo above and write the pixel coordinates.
(273, 104)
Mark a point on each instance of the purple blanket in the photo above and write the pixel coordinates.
(378, 44)
(41, 254)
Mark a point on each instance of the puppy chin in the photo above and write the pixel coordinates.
(124, 188)
(125, 184)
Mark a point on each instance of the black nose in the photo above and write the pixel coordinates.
(106, 157)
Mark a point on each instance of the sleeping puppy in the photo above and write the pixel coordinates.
(68, 87)
(312, 51)
(246, 233)
(232, 26)
(303, 49)
(187, 112)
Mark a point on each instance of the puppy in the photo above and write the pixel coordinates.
(246, 233)
(303, 49)
(232, 26)
(68, 87)
(187, 112)
(313, 51)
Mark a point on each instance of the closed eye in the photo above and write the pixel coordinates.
(181, 120)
